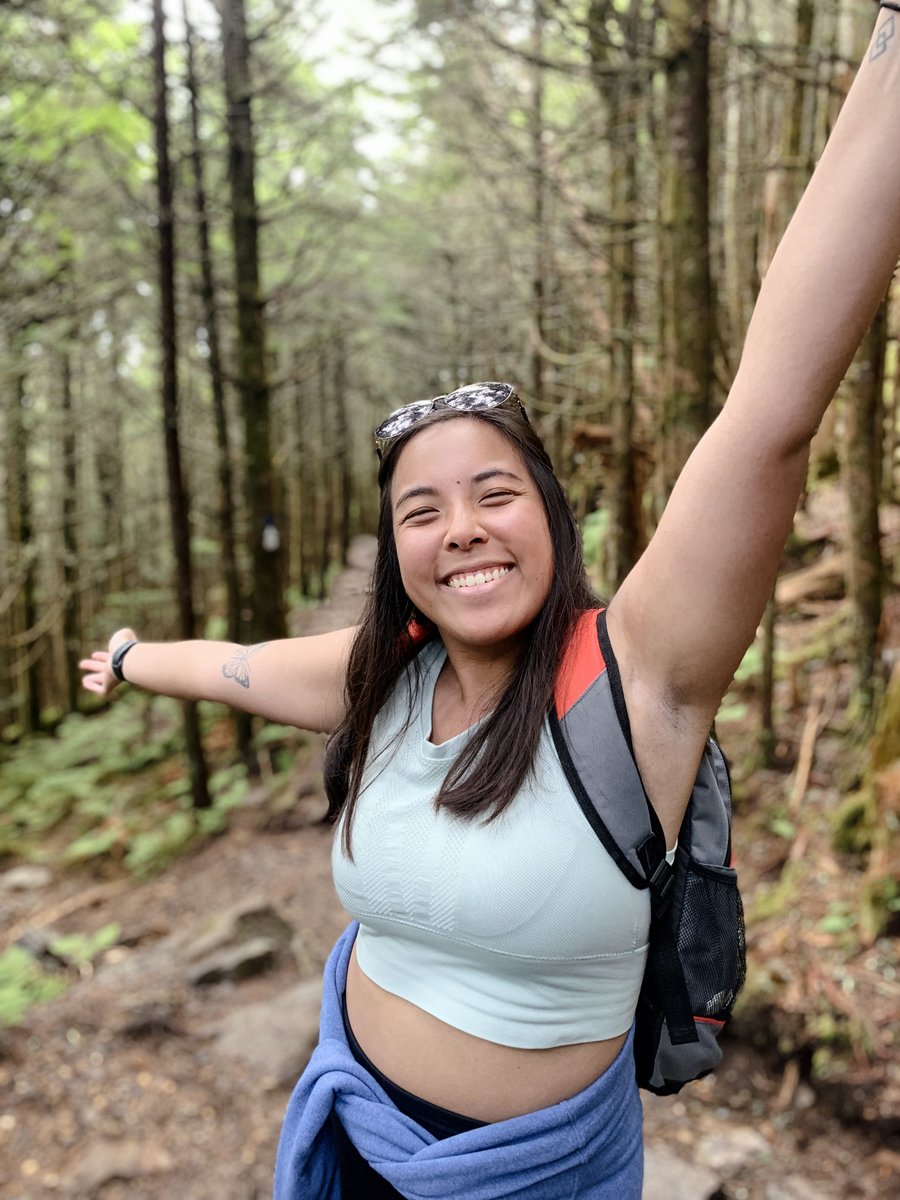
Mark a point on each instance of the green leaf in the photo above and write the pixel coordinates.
(23, 984)
(783, 828)
(79, 948)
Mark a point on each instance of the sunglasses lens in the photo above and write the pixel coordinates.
(478, 396)
(401, 419)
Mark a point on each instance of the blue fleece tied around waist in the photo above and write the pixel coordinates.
(586, 1148)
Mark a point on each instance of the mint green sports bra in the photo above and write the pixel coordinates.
(523, 931)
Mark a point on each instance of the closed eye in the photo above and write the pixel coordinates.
(499, 495)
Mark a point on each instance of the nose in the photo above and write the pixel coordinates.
(464, 529)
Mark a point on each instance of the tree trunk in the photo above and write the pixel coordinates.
(538, 172)
(227, 524)
(767, 736)
(305, 483)
(862, 458)
(345, 475)
(226, 514)
(324, 489)
(686, 222)
(178, 502)
(25, 649)
(71, 630)
(621, 94)
(265, 599)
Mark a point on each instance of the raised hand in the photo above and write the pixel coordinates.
(98, 676)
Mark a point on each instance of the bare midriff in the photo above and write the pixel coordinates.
(458, 1071)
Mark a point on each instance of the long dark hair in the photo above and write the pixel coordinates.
(391, 631)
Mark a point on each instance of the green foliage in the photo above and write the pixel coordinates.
(879, 904)
(776, 899)
(853, 824)
(731, 709)
(151, 850)
(593, 533)
(840, 917)
(751, 664)
(782, 827)
(105, 784)
(23, 984)
(81, 949)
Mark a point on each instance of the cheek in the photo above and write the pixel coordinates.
(414, 558)
(546, 554)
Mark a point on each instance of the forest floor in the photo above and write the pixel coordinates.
(142, 1082)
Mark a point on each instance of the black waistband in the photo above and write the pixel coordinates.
(440, 1122)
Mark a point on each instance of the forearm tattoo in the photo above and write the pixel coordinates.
(238, 668)
(884, 37)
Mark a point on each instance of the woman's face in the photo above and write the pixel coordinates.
(471, 532)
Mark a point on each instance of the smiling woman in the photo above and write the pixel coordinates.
(476, 1029)
(472, 544)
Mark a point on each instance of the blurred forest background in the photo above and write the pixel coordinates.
(234, 235)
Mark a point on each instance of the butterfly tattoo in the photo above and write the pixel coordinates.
(238, 668)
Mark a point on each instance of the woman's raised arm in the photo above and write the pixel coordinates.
(296, 681)
(687, 612)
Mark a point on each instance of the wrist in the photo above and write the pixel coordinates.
(115, 662)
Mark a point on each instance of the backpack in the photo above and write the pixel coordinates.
(696, 961)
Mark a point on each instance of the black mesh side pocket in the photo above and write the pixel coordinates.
(710, 939)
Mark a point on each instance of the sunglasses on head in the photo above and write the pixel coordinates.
(474, 397)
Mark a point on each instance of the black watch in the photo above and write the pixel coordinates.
(115, 663)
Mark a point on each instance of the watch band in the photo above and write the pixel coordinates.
(115, 663)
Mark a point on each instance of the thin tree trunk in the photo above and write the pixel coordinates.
(178, 502)
(25, 651)
(227, 524)
(345, 474)
(71, 631)
(767, 736)
(304, 526)
(226, 515)
(265, 599)
(324, 505)
(890, 474)
(688, 407)
(863, 433)
(538, 172)
(620, 95)
(109, 457)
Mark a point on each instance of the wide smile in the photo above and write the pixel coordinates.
(482, 580)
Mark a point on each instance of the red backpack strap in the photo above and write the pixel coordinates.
(582, 663)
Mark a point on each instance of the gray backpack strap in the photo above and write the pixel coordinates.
(696, 960)
(589, 724)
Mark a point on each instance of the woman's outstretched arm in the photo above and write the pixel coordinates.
(687, 612)
(296, 681)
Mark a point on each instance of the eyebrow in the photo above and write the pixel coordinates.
(481, 477)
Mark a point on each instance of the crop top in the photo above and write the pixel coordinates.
(522, 931)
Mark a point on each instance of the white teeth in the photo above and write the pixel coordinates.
(463, 581)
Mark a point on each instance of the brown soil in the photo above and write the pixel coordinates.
(88, 1071)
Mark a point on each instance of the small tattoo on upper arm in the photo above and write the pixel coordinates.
(238, 668)
(883, 38)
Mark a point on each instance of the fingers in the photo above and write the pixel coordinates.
(97, 676)
(98, 658)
